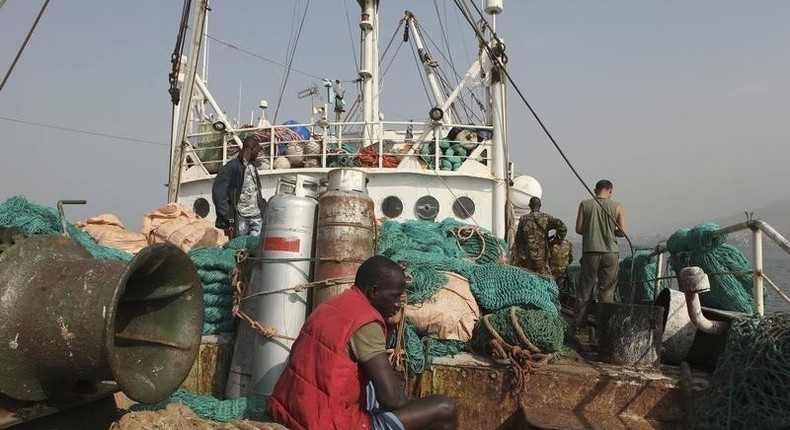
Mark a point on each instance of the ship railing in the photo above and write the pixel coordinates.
(443, 148)
(759, 277)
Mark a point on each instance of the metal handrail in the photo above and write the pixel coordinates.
(758, 227)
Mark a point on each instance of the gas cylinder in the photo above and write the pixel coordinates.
(285, 250)
(346, 230)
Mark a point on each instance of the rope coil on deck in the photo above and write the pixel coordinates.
(522, 360)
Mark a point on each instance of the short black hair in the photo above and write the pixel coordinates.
(250, 142)
(375, 270)
(534, 202)
(603, 184)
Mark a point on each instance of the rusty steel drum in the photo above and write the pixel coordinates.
(66, 317)
(346, 231)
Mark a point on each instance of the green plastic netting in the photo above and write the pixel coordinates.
(421, 350)
(211, 408)
(427, 248)
(544, 331)
(214, 268)
(642, 279)
(750, 388)
(35, 219)
(728, 270)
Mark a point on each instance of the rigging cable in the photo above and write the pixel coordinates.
(24, 44)
(260, 57)
(501, 63)
(351, 33)
(90, 133)
(292, 55)
(178, 51)
(389, 45)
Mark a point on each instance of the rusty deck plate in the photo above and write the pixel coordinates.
(570, 394)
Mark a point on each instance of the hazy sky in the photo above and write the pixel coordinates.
(682, 104)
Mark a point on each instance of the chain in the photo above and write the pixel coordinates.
(239, 298)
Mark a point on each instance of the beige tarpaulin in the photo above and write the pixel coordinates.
(108, 230)
(450, 314)
(181, 226)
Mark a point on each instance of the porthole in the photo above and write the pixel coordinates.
(464, 207)
(201, 207)
(427, 207)
(392, 207)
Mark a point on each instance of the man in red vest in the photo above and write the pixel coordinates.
(338, 375)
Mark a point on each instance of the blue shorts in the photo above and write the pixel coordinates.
(381, 419)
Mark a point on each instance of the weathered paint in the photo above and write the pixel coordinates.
(567, 395)
(65, 316)
(346, 237)
(630, 334)
(209, 372)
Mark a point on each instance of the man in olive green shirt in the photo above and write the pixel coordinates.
(600, 221)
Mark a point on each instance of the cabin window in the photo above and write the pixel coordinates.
(201, 207)
(392, 207)
(427, 207)
(464, 207)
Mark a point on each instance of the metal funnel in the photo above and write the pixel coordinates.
(67, 317)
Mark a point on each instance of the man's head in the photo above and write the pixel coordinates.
(250, 148)
(383, 281)
(603, 188)
(534, 203)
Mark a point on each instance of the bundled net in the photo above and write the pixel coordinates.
(215, 267)
(427, 248)
(499, 286)
(526, 328)
(421, 350)
(638, 271)
(211, 408)
(751, 383)
(34, 219)
(728, 270)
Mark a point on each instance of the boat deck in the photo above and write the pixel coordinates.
(571, 393)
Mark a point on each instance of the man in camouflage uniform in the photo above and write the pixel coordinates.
(531, 246)
(561, 257)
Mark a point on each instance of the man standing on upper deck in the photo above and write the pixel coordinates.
(236, 193)
(600, 221)
(531, 246)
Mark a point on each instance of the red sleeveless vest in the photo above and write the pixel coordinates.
(321, 386)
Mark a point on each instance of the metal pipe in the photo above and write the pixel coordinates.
(694, 281)
(757, 290)
(63, 215)
(776, 288)
(659, 273)
(757, 224)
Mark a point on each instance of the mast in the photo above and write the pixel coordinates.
(369, 69)
(178, 142)
(499, 154)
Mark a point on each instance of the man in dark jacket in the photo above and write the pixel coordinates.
(237, 193)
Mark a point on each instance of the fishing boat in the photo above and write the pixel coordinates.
(444, 162)
(449, 160)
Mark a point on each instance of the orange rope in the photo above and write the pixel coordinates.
(369, 157)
